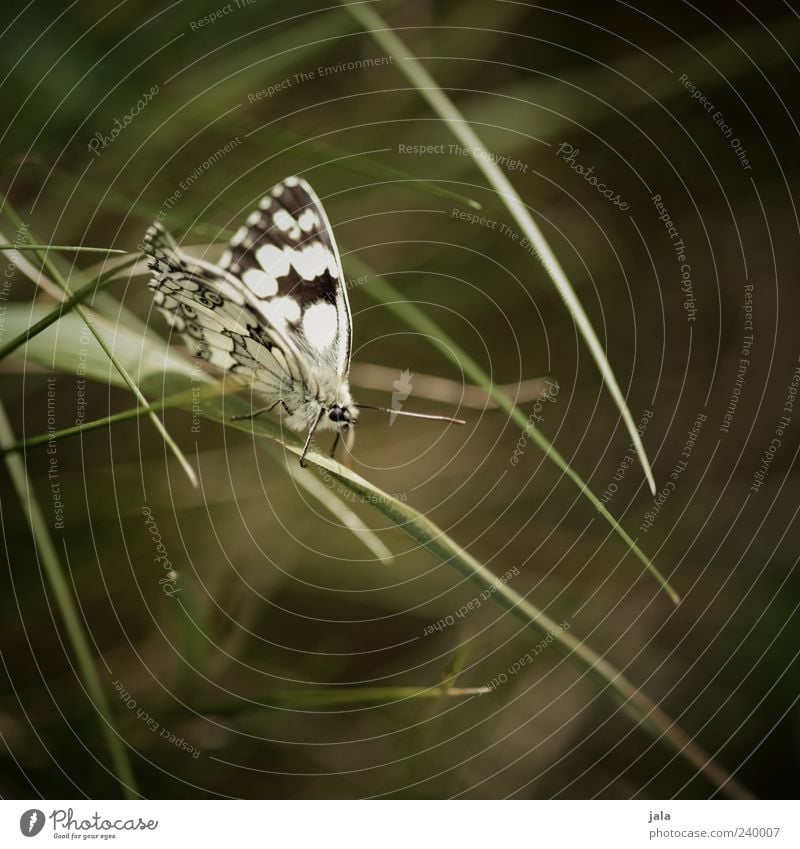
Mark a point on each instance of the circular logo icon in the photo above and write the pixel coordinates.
(31, 822)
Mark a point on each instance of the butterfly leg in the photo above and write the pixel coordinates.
(335, 443)
(262, 410)
(309, 438)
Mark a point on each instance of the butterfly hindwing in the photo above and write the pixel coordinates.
(214, 314)
(287, 257)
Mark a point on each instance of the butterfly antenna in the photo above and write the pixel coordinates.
(413, 415)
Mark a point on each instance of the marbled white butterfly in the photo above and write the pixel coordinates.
(274, 313)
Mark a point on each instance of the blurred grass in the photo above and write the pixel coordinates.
(47, 559)
(216, 406)
(50, 267)
(275, 593)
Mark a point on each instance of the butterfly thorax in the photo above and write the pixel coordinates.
(330, 396)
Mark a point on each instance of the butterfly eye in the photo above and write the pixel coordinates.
(339, 414)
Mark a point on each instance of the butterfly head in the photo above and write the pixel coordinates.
(341, 417)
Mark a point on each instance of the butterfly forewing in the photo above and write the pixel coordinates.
(287, 257)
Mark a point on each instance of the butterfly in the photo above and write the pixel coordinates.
(273, 314)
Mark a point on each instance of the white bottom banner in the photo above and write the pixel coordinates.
(401, 824)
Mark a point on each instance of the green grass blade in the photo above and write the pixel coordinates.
(154, 358)
(96, 424)
(68, 248)
(381, 290)
(62, 283)
(422, 530)
(67, 346)
(444, 107)
(340, 696)
(333, 503)
(64, 307)
(59, 585)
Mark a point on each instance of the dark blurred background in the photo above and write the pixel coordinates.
(696, 106)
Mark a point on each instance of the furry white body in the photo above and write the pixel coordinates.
(305, 406)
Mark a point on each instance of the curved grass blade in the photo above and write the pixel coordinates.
(422, 530)
(335, 505)
(428, 535)
(325, 153)
(67, 248)
(97, 424)
(47, 556)
(157, 357)
(335, 697)
(61, 346)
(64, 307)
(62, 283)
(382, 291)
(446, 391)
(461, 129)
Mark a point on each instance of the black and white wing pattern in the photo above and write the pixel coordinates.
(286, 255)
(274, 313)
(213, 313)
